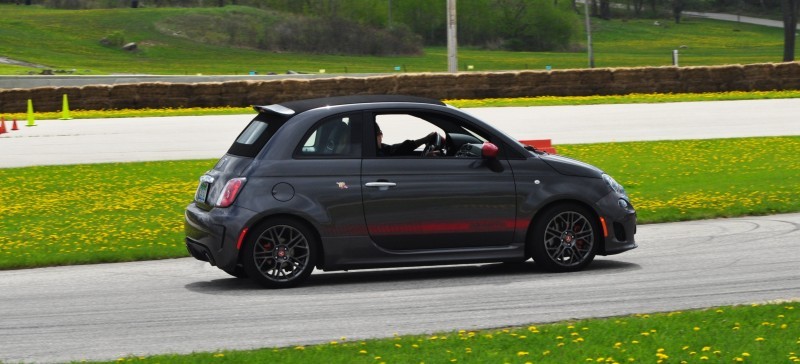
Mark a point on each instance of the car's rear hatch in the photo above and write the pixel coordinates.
(235, 162)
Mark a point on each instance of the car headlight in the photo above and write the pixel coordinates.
(614, 185)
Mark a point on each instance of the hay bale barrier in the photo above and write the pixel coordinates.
(463, 85)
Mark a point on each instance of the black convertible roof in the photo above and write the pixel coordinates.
(296, 107)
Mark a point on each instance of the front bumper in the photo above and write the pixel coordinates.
(620, 224)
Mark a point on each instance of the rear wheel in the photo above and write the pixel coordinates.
(280, 253)
(565, 238)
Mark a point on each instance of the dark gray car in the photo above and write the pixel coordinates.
(316, 183)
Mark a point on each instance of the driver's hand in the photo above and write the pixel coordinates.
(431, 138)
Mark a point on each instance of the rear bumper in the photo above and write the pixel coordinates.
(208, 239)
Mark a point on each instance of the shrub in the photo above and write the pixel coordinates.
(340, 36)
(115, 39)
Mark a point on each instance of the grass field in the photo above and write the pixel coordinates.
(766, 333)
(93, 213)
(70, 40)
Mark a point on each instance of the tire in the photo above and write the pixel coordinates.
(280, 253)
(565, 238)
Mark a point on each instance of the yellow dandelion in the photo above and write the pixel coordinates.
(219, 355)
(760, 339)
(522, 353)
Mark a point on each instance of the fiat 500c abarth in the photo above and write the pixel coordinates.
(316, 184)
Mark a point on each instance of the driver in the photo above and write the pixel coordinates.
(407, 147)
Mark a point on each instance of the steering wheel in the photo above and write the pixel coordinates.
(436, 145)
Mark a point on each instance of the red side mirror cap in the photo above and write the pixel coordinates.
(489, 150)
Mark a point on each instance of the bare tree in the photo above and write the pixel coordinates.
(677, 9)
(638, 5)
(789, 8)
(605, 9)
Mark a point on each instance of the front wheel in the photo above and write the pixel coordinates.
(280, 253)
(565, 238)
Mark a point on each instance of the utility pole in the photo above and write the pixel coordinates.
(588, 33)
(452, 47)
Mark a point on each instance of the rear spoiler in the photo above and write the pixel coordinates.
(274, 109)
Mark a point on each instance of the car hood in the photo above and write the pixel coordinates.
(571, 167)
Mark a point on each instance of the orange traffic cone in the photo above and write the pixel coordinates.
(14, 126)
(3, 125)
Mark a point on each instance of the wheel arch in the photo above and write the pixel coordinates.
(260, 220)
(553, 204)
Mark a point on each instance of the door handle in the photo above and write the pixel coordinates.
(382, 185)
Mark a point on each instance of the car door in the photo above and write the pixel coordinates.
(412, 202)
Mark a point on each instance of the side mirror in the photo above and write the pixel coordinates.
(489, 150)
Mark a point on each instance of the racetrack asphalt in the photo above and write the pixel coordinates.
(109, 311)
(54, 142)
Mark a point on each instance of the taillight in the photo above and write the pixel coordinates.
(230, 191)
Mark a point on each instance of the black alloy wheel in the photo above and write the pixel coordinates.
(565, 238)
(280, 253)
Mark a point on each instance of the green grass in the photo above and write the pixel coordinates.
(766, 333)
(69, 39)
(699, 179)
(58, 215)
(61, 215)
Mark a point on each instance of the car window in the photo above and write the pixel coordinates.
(399, 134)
(333, 137)
(256, 135)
